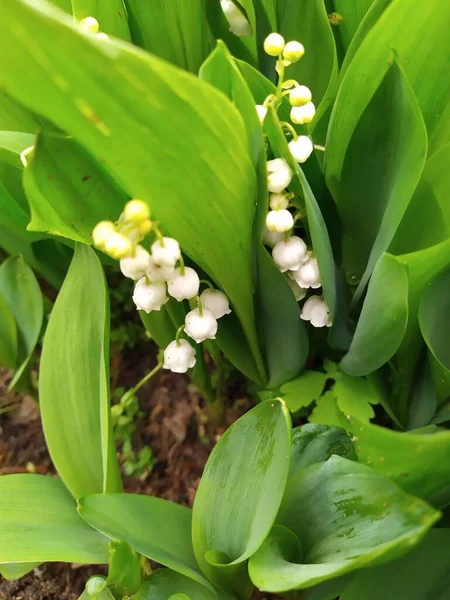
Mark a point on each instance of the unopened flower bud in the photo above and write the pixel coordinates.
(301, 148)
(300, 96)
(274, 44)
(236, 19)
(183, 286)
(298, 291)
(102, 231)
(166, 252)
(308, 275)
(201, 327)
(216, 302)
(159, 272)
(278, 201)
(136, 266)
(316, 311)
(279, 175)
(149, 296)
(179, 356)
(145, 227)
(270, 238)
(102, 36)
(262, 112)
(279, 220)
(301, 115)
(290, 255)
(118, 246)
(136, 211)
(90, 24)
(293, 51)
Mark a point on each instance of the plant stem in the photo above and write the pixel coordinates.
(144, 380)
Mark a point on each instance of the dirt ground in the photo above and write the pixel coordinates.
(173, 426)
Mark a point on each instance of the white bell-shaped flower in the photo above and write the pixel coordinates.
(298, 292)
(316, 311)
(216, 302)
(102, 231)
(166, 252)
(279, 175)
(135, 267)
(159, 272)
(118, 246)
(149, 296)
(301, 148)
(308, 275)
(278, 201)
(300, 96)
(201, 327)
(183, 286)
(262, 112)
(290, 255)
(301, 115)
(179, 356)
(270, 238)
(279, 220)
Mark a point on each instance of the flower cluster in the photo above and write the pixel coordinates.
(92, 25)
(159, 274)
(236, 19)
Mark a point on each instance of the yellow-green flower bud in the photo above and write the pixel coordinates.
(145, 227)
(102, 36)
(300, 96)
(274, 44)
(118, 246)
(293, 51)
(136, 211)
(102, 231)
(90, 24)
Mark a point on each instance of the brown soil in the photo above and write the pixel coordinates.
(174, 426)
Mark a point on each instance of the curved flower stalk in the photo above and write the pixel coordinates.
(160, 273)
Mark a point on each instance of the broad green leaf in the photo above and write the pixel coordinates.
(327, 412)
(21, 291)
(423, 574)
(383, 163)
(164, 583)
(14, 117)
(68, 192)
(405, 458)
(74, 381)
(8, 336)
(426, 221)
(383, 319)
(39, 522)
(352, 13)
(313, 443)
(124, 571)
(156, 528)
(176, 31)
(112, 16)
(336, 517)
(240, 493)
(303, 390)
(96, 589)
(434, 321)
(195, 130)
(317, 228)
(11, 571)
(307, 22)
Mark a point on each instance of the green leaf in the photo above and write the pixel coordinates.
(112, 17)
(195, 130)
(68, 192)
(176, 31)
(240, 493)
(327, 412)
(423, 574)
(303, 390)
(317, 228)
(39, 522)
(383, 319)
(156, 528)
(8, 336)
(404, 457)
(383, 163)
(355, 396)
(352, 13)
(22, 293)
(11, 571)
(313, 443)
(336, 517)
(434, 311)
(14, 117)
(74, 381)
(164, 583)
(124, 572)
(96, 589)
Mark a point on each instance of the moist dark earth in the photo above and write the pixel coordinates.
(174, 425)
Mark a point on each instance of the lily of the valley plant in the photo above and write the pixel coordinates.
(273, 176)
